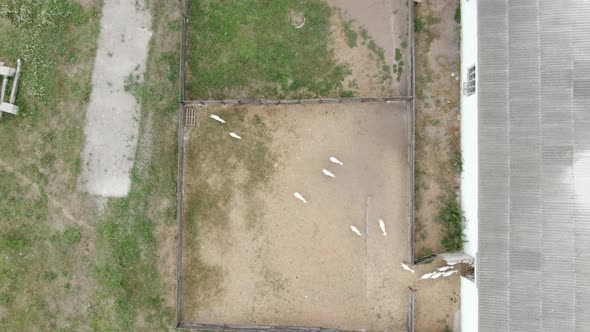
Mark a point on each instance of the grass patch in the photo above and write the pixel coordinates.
(72, 235)
(458, 13)
(251, 49)
(398, 67)
(418, 25)
(350, 33)
(385, 70)
(37, 32)
(457, 162)
(452, 217)
(56, 40)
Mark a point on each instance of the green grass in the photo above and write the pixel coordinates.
(350, 33)
(56, 40)
(398, 67)
(36, 32)
(452, 217)
(71, 278)
(250, 48)
(398, 55)
(458, 13)
(418, 25)
(384, 69)
(457, 162)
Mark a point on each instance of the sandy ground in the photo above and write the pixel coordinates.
(301, 264)
(112, 118)
(437, 300)
(386, 22)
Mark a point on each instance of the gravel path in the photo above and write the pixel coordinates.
(112, 120)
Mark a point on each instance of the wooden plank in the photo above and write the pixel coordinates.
(411, 300)
(7, 71)
(249, 328)
(8, 108)
(296, 101)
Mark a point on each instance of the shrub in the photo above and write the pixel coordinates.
(457, 161)
(71, 235)
(452, 217)
(418, 25)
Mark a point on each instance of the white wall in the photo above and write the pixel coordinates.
(469, 190)
(469, 305)
(469, 149)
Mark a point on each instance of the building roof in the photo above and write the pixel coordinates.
(533, 264)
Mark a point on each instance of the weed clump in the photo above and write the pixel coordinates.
(452, 217)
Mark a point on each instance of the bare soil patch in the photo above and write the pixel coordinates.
(386, 23)
(254, 254)
(437, 300)
(437, 120)
(437, 156)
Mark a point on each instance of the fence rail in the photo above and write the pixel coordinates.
(411, 300)
(251, 328)
(180, 170)
(296, 101)
(411, 134)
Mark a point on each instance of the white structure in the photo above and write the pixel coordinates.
(525, 131)
(5, 73)
(469, 148)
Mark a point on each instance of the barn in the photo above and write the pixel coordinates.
(525, 189)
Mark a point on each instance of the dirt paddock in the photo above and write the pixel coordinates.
(254, 254)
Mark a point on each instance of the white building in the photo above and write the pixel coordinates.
(469, 190)
(525, 189)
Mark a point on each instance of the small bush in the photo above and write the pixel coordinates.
(418, 25)
(398, 55)
(452, 216)
(71, 235)
(351, 35)
(347, 94)
(457, 161)
(458, 14)
(427, 252)
(376, 49)
(49, 276)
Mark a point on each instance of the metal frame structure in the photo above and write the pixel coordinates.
(6, 72)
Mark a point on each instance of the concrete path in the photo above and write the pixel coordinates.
(112, 120)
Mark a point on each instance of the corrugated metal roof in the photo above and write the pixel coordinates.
(534, 165)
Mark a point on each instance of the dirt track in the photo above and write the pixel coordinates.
(298, 264)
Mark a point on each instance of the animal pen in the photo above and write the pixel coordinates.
(253, 257)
